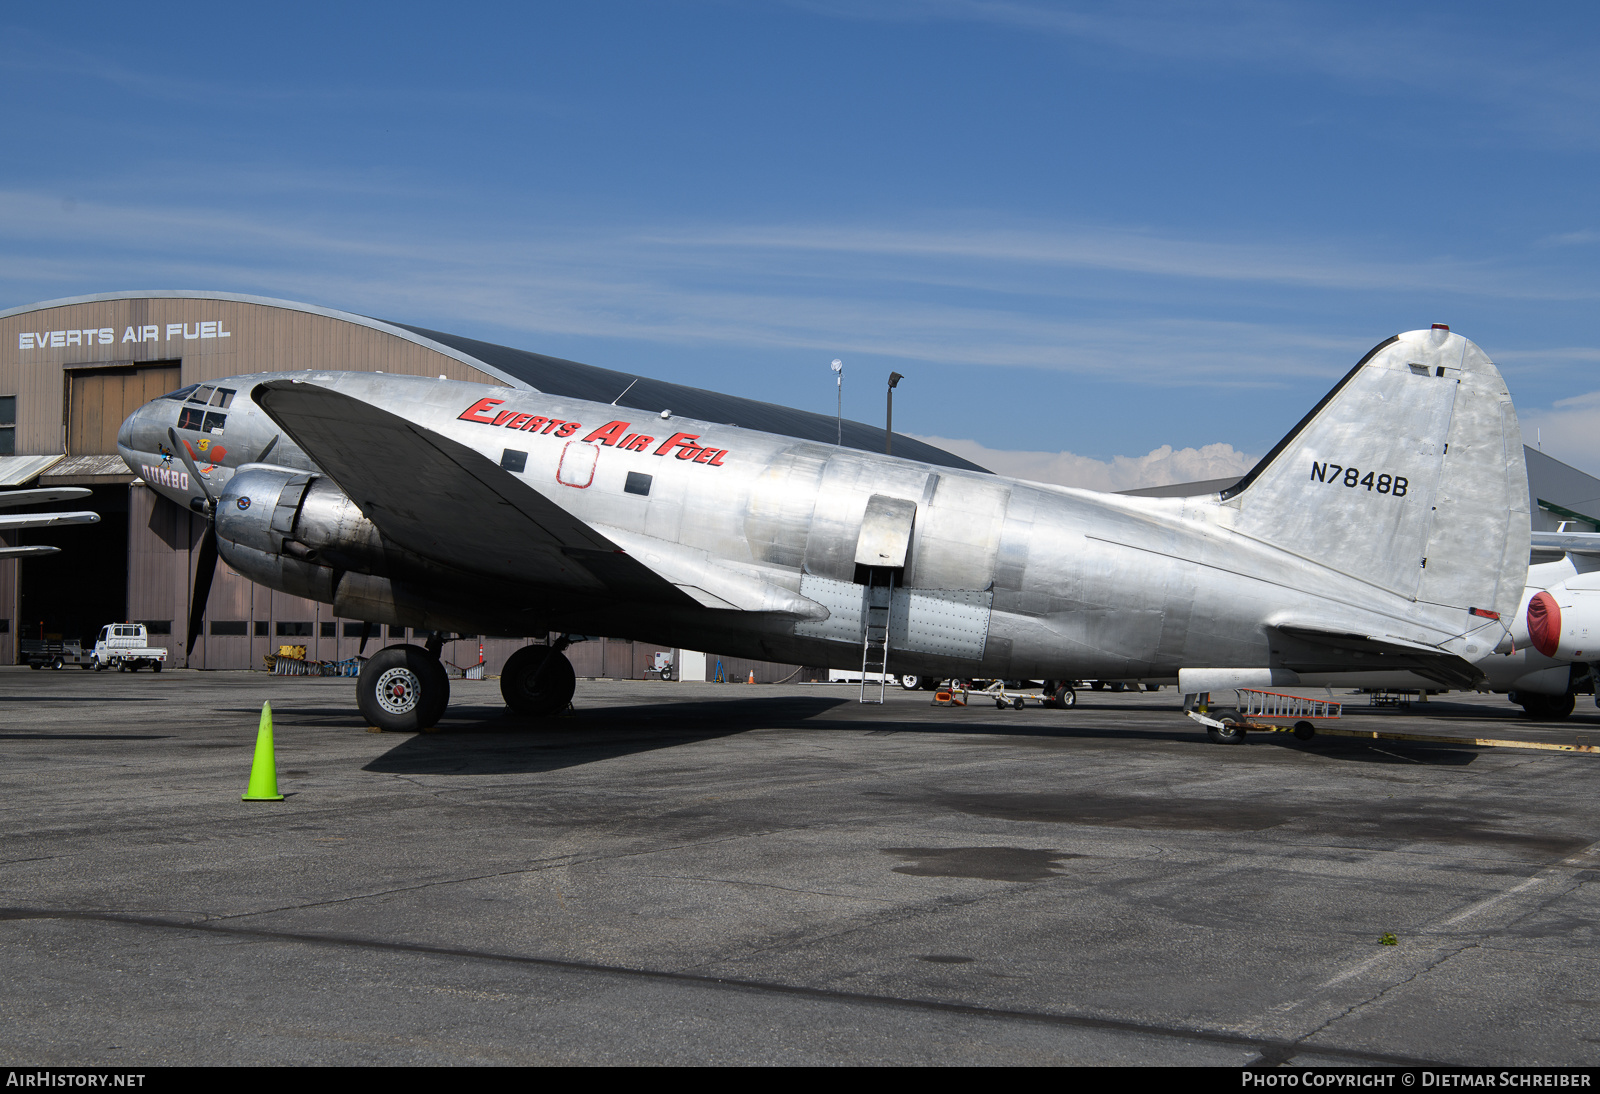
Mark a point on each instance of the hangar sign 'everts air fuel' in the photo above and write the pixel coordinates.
(1389, 530)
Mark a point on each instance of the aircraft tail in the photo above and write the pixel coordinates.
(1409, 475)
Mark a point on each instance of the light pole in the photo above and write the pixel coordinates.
(888, 425)
(838, 368)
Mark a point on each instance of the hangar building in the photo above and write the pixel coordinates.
(71, 371)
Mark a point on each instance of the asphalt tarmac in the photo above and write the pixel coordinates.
(735, 874)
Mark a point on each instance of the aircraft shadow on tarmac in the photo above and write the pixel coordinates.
(481, 740)
(500, 743)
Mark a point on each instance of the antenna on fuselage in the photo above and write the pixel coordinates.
(838, 367)
(625, 391)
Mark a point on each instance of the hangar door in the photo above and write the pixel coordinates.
(98, 399)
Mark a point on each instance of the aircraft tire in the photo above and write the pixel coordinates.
(1065, 697)
(911, 683)
(402, 688)
(1231, 733)
(1547, 708)
(1304, 731)
(538, 694)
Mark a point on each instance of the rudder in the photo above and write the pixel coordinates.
(1408, 475)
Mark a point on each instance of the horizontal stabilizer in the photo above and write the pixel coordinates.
(27, 552)
(1308, 649)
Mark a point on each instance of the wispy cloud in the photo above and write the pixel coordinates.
(1571, 239)
(1569, 429)
(970, 297)
(1298, 262)
(679, 286)
(29, 54)
(1513, 71)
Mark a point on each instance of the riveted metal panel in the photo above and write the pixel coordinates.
(947, 622)
(843, 599)
(944, 622)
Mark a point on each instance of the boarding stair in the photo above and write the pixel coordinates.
(875, 634)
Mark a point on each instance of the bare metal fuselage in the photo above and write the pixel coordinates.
(1001, 577)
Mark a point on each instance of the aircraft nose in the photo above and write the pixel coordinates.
(145, 430)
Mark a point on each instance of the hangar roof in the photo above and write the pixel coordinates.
(524, 369)
(604, 385)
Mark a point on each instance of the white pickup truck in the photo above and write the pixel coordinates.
(127, 646)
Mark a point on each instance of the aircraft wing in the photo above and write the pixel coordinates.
(442, 500)
(27, 552)
(1308, 649)
(12, 521)
(1573, 543)
(11, 498)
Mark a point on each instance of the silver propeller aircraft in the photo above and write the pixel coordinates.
(1388, 530)
(1553, 644)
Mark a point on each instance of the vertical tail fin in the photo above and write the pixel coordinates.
(1408, 475)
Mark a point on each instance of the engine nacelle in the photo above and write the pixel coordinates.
(294, 531)
(1565, 623)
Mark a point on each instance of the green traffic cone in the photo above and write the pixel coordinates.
(264, 771)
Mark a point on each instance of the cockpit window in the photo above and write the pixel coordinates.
(191, 418)
(202, 395)
(181, 394)
(214, 422)
(223, 398)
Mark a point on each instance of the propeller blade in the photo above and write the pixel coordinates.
(366, 633)
(182, 449)
(205, 569)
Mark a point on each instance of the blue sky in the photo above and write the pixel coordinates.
(1083, 232)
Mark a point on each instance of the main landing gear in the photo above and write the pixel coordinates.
(403, 688)
(538, 680)
(406, 688)
(1544, 708)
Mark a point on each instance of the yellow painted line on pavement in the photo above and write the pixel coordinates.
(1482, 742)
